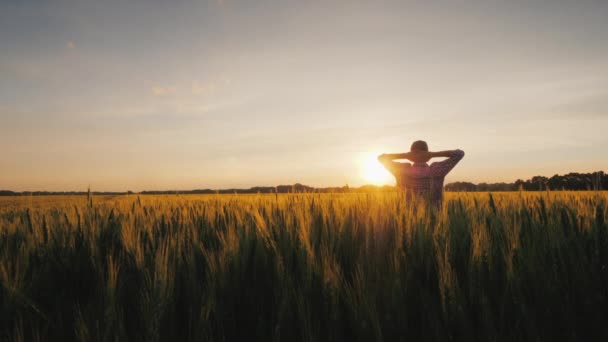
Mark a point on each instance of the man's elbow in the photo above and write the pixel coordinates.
(458, 153)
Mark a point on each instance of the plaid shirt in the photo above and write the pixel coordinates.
(422, 180)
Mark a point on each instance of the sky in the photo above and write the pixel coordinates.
(135, 95)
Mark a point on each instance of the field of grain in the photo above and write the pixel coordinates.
(304, 267)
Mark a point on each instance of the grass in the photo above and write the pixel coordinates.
(304, 267)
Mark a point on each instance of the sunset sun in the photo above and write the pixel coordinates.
(373, 172)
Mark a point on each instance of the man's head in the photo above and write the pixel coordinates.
(419, 150)
(419, 145)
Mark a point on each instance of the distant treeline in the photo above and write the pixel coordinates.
(60, 193)
(571, 181)
(295, 188)
(281, 189)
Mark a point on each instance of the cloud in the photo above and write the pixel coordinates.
(71, 45)
(199, 88)
(593, 106)
(210, 86)
(195, 87)
(161, 91)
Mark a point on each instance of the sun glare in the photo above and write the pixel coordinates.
(373, 172)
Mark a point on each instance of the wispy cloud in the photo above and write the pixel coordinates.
(594, 106)
(161, 91)
(210, 86)
(193, 88)
(199, 88)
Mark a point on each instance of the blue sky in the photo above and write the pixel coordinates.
(217, 94)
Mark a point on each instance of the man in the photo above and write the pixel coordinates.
(420, 179)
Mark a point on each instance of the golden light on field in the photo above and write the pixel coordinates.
(373, 172)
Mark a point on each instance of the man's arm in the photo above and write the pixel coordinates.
(387, 160)
(446, 154)
(443, 167)
(393, 156)
(413, 156)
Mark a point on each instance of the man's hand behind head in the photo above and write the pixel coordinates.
(420, 156)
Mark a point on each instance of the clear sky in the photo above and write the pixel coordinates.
(134, 95)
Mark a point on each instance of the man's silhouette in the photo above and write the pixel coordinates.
(420, 179)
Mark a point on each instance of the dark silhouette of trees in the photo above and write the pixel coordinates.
(571, 181)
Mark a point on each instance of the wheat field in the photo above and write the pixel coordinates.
(304, 267)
